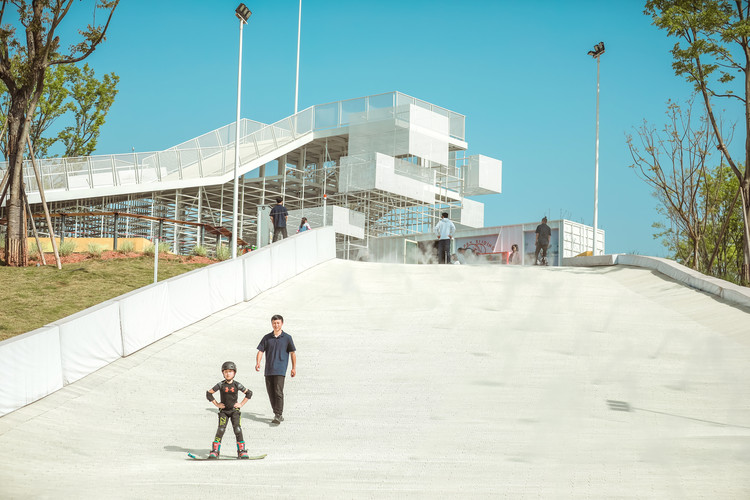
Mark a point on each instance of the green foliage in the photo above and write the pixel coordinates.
(72, 95)
(91, 100)
(199, 251)
(125, 247)
(163, 249)
(95, 250)
(223, 252)
(711, 52)
(66, 248)
(33, 251)
(703, 29)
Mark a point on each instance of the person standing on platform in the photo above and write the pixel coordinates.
(304, 225)
(444, 230)
(515, 256)
(543, 234)
(278, 347)
(279, 214)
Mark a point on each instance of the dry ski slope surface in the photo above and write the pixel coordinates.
(420, 381)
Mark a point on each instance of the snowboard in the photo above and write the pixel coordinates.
(197, 457)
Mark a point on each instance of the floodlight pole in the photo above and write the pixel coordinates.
(596, 54)
(296, 84)
(243, 14)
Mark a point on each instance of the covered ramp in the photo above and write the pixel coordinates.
(420, 381)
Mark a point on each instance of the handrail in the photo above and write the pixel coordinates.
(152, 167)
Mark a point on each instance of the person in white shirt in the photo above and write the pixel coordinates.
(444, 230)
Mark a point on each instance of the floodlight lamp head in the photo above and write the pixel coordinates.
(598, 50)
(242, 12)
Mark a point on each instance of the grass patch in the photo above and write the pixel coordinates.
(126, 247)
(66, 248)
(164, 248)
(223, 253)
(95, 250)
(199, 250)
(32, 297)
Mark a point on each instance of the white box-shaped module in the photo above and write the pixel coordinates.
(414, 131)
(429, 133)
(343, 220)
(471, 213)
(348, 222)
(401, 182)
(578, 238)
(483, 175)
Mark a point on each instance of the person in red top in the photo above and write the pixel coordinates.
(229, 408)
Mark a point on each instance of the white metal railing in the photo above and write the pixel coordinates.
(211, 154)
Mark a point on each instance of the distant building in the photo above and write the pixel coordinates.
(492, 244)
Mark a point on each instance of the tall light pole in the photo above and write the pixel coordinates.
(243, 14)
(596, 53)
(296, 84)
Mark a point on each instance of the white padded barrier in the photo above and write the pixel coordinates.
(89, 340)
(306, 250)
(144, 317)
(30, 367)
(283, 261)
(728, 291)
(40, 362)
(189, 298)
(326, 244)
(225, 289)
(257, 272)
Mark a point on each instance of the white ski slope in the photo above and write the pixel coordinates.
(419, 382)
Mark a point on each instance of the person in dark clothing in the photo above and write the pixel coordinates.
(278, 347)
(229, 409)
(279, 215)
(543, 234)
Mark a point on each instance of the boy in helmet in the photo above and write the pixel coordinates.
(229, 408)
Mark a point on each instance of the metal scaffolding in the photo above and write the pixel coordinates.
(376, 166)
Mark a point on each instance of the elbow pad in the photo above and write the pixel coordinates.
(209, 396)
(249, 394)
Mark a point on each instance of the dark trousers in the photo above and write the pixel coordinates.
(275, 388)
(278, 233)
(444, 251)
(225, 416)
(543, 247)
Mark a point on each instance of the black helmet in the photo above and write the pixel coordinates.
(229, 365)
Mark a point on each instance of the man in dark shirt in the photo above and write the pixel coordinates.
(543, 234)
(279, 347)
(279, 215)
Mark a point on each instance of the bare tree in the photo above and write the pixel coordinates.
(24, 60)
(676, 162)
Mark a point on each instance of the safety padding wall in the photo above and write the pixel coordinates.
(730, 292)
(40, 362)
(89, 340)
(30, 367)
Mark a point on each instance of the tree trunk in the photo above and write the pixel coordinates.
(16, 250)
(745, 269)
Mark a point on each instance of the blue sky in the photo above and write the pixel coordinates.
(518, 71)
